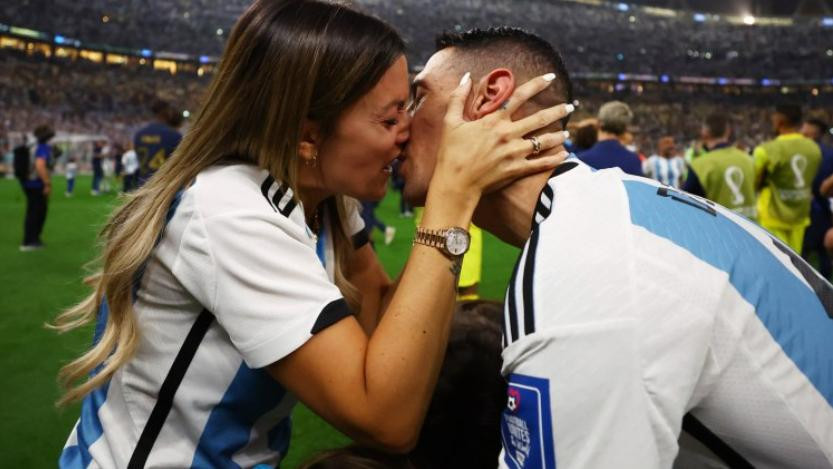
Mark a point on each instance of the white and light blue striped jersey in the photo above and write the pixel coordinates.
(235, 282)
(647, 328)
(669, 171)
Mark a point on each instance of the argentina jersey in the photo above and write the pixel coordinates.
(648, 328)
(235, 283)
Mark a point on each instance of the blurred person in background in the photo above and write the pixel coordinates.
(723, 174)
(156, 142)
(372, 222)
(609, 151)
(130, 163)
(784, 172)
(584, 135)
(38, 187)
(820, 216)
(98, 166)
(666, 166)
(71, 171)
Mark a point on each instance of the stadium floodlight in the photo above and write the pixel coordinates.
(59, 39)
(748, 20)
(623, 7)
(722, 81)
(204, 59)
(186, 114)
(664, 78)
(622, 77)
(699, 17)
(827, 22)
(146, 52)
(219, 31)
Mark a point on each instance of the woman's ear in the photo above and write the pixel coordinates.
(309, 144)
(492, 91)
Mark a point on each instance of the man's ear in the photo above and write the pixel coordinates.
(491, 92)
(308, 146)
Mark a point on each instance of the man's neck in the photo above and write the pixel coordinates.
(604, 136)
(508, 213)
(787, 131)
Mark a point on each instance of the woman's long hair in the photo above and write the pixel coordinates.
(285, 61)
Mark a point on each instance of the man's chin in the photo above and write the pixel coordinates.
(415, 197)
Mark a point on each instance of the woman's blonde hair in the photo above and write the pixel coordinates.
(285, 61)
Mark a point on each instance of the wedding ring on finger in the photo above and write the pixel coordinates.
(536, 145)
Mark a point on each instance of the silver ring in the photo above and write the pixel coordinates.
(536, 145)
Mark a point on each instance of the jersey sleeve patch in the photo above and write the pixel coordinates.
(526, 424)
(334, 312)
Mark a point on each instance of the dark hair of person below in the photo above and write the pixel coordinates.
(717, 124)
(462, 425)
(519, 43)
(791, 112)
(585, 137)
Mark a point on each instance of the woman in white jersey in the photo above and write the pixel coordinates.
(229, 280)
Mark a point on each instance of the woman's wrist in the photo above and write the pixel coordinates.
(447, 205)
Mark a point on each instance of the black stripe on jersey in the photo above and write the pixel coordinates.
(540, 207)
(529, 271)
(264, 189)
(713, 442)
(360, 239)
(334, 312)
(277, 196)
(290, 206)
(510, 301)
(165, 400)
(821, 287)
(563, 168)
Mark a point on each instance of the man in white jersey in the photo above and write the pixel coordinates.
(644, 327)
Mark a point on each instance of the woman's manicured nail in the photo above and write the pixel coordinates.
(465, 79)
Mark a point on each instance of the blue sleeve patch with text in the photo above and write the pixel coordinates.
(526, 424)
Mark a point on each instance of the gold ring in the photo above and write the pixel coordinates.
(536, 145)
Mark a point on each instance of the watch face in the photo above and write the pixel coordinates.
(457, 241)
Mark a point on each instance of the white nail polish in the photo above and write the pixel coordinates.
(576, 103)
(465, 79)
(549, 77)
(570, 108)
(566, 134)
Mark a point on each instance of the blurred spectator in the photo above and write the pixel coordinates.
(784, 172)
(585, 135)
(156, 142)
(71, 171)
(820, 217)
(609, 152)
(130, 163)
(723, 174)
(37, 186)
(667, 166)
(98, 167)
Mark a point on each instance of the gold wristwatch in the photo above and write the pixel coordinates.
(453, 242)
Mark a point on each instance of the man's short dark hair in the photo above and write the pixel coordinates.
(820, 124)
(791, 112)
(513, 48)
(717, 124)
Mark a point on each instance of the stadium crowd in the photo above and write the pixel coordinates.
(593, 38)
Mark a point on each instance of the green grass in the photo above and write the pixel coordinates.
(35, 286)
